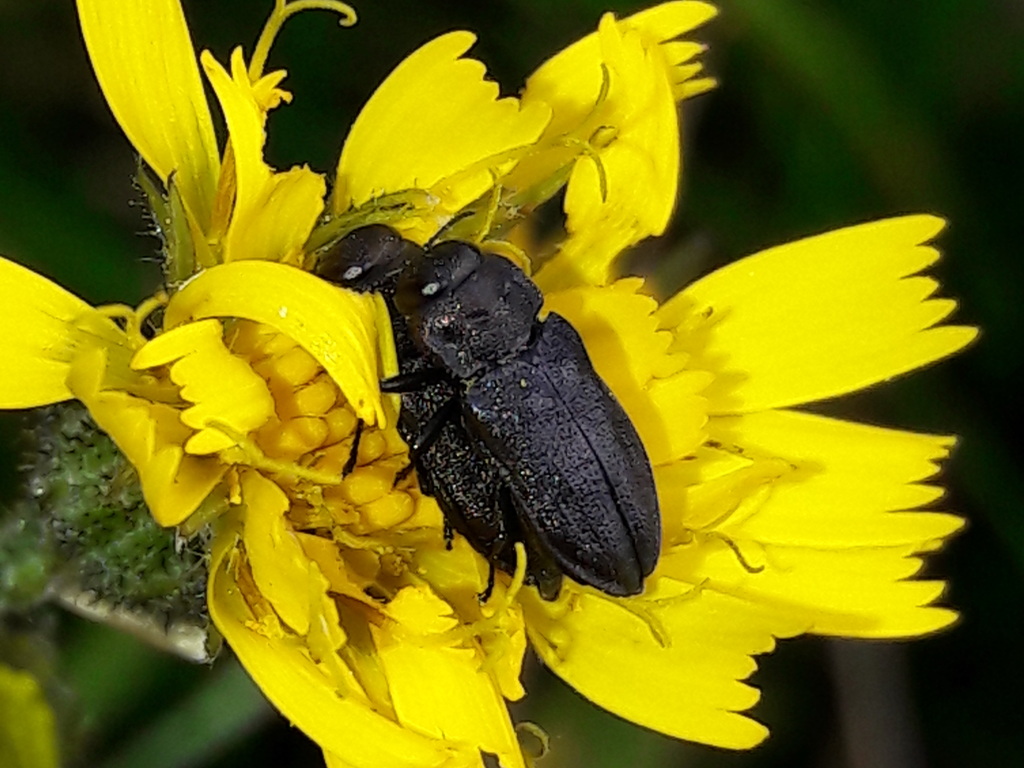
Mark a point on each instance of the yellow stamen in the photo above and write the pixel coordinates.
(741, 491)
(600, 138)
(735, 548)
(246, 451)
(606, 85)
(283, 10)
(691, 594)
(492, 207)
(134, 317)
(145, 309)
(533, 740)
(640, 609)
(369, 543)
(518, 579)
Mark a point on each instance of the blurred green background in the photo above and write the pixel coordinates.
(828, 113)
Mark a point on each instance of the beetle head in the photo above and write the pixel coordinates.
(367, 259)
(428, 281)
(470, 310)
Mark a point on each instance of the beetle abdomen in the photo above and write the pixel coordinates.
(578, 472)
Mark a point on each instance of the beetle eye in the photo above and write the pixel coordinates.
(353, 272)
(430, 288)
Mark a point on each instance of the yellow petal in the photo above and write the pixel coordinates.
(225, 389)
(641, 164)
(835, 531)
(585, 258)
(37, 318)
(849, 593)
(571, 80)
(669, 21)
(333, 761)
(457, 574)
(615, 92)
(435, 123)
(439, 688)
(28, 732)
(279, 565)
(274, 212)
(146, 66)
(817, 318)
(689, 688)
(852, 484)
(151, 436)
(335, 326)
(301, 689)
(338, 576)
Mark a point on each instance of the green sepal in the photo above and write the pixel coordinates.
(102, 553)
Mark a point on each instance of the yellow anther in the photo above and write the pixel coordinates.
(297, 367)
(341, 423)
(367, 484)
(317, 398)
(295, 437)
(388, 511)
(331, 458)
(371, 447)
(277, 344)
(393, 443)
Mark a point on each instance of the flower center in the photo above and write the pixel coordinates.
(307, 443)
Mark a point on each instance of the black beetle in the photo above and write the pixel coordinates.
(465, 482)
(510, 427)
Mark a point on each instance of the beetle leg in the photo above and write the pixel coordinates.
(412, 381)
(430, 432)
(402, 474)
(449, 535)
(484, 596)
(350, 463)
(432, 429)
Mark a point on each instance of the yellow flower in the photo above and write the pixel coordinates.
(239, 408)
(28, 731)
